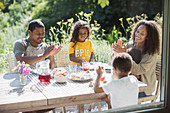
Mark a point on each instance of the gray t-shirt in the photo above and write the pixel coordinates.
(25, 47)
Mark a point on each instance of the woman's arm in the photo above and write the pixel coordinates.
(147, 62)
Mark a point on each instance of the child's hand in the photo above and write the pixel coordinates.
(99, 71)
(55, 50)
(81, 62)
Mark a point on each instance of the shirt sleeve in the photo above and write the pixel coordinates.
(18, 48)
(106, 88)
(92, 47)
(146, 63)
(70, 48)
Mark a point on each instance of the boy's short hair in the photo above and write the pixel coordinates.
(123, 62)
(35, 23)
(135, 53)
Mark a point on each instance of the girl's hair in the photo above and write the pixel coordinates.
(75, 30)
(152, 42)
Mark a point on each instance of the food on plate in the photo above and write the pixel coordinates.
(80, 76)
(104, 82)
(59, 72)
(60, 75)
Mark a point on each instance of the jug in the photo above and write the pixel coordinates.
(43, 71)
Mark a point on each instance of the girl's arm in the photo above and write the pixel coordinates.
(73, 59)
(92, 57)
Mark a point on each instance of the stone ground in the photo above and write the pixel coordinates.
(86, 109)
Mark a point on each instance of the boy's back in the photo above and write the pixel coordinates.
(123, 92)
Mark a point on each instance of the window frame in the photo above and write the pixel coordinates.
(163, 106)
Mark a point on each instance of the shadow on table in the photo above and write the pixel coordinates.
(15, 83)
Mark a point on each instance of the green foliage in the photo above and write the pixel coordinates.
(103, 51)
(115, 35)
(2, 5)
(104, 22)
(7, 39)
(131, 21)
(103, 3)
(62, 32)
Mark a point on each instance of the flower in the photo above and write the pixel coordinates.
(23, 68)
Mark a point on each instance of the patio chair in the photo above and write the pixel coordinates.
(153, 98)
(63, 58)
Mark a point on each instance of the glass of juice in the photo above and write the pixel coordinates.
(44, 78)
(85, 66)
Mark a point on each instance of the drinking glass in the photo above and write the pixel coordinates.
(72, 68)
(86, 66)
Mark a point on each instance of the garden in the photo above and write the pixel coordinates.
(109, 20)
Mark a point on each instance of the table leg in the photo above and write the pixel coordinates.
(99, 106)
(80, 108)
(63, 110)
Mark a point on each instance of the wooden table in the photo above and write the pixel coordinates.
(15, 98)
(34, 96)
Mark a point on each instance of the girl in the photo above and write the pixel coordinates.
(146, 37)
(80, 47)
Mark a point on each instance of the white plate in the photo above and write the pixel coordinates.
(80, 80)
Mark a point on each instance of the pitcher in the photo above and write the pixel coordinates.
(43, 71)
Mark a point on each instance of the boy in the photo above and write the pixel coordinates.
(31, 50)
(123, 89)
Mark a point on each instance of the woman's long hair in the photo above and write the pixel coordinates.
(152, 41)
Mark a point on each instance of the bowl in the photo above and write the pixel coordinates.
(60, 78)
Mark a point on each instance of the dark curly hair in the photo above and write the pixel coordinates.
(152, 42)
(75, 30)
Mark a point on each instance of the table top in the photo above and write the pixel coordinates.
(13, 96)
(35, 96)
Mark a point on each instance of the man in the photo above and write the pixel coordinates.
(31, 50)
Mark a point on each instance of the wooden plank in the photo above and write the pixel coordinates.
(14, 97)
(81, 99)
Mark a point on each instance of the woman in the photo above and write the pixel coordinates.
(146, 37)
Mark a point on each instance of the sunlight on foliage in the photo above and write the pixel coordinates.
(103, 3)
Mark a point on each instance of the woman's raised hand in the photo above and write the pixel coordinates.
(119, 49)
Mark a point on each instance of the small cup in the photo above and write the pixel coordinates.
(86, 66)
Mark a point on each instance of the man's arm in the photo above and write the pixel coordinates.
(52, 62)
(34, 59)
(98, 89)
(52, 53)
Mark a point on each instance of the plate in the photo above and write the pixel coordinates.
(80, 80)
(82, 76)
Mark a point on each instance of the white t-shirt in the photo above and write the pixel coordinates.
(123, 92)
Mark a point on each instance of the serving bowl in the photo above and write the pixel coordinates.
(60, 79)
